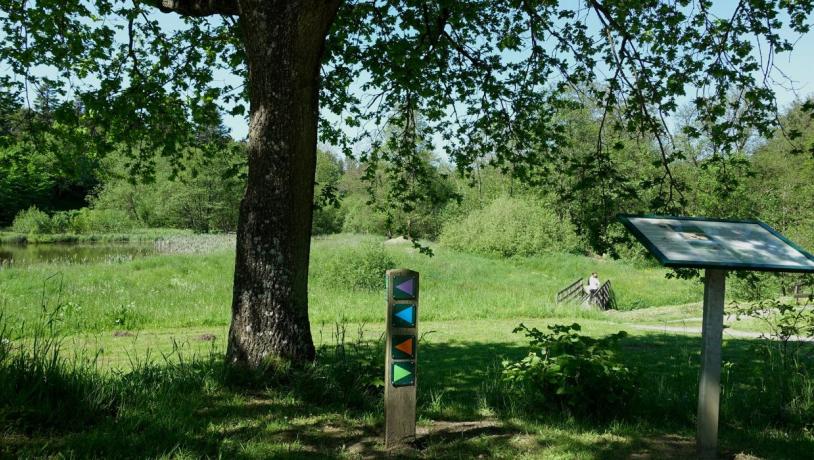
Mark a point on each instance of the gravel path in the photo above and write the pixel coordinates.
(697, 331)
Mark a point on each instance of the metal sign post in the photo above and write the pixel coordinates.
(400, 357)
(709, 384)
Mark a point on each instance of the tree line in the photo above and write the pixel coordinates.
(570, 205)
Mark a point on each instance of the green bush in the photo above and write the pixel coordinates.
(511, 226)
(31, 221)
(361, 268)
(569, 371)
(102, 221)
(204, 196)
(83, 221)
(328, 220)
(754, 286)
(63, 222)
(803, 234)
(362, 218)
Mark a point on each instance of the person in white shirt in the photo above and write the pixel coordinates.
(593, 284)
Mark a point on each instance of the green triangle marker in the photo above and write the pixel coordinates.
(400, 372)
(403, 374)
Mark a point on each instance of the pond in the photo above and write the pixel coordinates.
(22, 255)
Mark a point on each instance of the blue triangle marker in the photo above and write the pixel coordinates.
(406, 315)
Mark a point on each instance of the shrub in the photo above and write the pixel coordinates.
(362, 268)
(203, 196)
(101, 221)
(569, 371)
(63, 222)
(754, 286)
(151, 205)
(802, 233)
(509, 227)
(328, 220)
(83, 221)
(360, 217)
(784, 355)
(31, 221)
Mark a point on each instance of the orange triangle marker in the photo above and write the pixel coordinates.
(406, 346)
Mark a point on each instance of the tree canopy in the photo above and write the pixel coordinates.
(488, 77)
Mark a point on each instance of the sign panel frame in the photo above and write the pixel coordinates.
(400, 354)
(409, 366)
(399, 321)
(625, 219)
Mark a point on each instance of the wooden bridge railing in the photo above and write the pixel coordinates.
(603, 297)
(799, 293)
(574, 291)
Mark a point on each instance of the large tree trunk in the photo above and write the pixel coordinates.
(284, 40)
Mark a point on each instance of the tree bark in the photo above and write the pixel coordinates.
(284, 41)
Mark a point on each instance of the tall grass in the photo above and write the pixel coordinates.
(162, 405)
(131, 236)
(174, 404)
(41, 388)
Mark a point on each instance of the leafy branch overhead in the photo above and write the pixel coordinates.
(491, 77)
(488, 79)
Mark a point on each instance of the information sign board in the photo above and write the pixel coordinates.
(716, 245)
(689, 242)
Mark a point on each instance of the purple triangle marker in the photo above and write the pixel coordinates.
(406, 287)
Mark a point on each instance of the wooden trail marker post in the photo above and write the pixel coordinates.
(715, 245)
(400, 368)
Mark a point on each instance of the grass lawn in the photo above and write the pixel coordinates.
(191, 413)
(151, 334)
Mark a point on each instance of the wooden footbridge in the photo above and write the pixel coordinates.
(603, 297)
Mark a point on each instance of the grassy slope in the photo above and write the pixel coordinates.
(195, 290)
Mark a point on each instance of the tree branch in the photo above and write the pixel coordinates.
(198, 7)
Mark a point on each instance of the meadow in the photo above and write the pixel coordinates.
(131, 356)
(187, 290)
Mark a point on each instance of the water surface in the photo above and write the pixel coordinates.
(23, 255)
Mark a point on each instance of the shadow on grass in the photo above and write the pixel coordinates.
(192, 410)
(456, 380)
